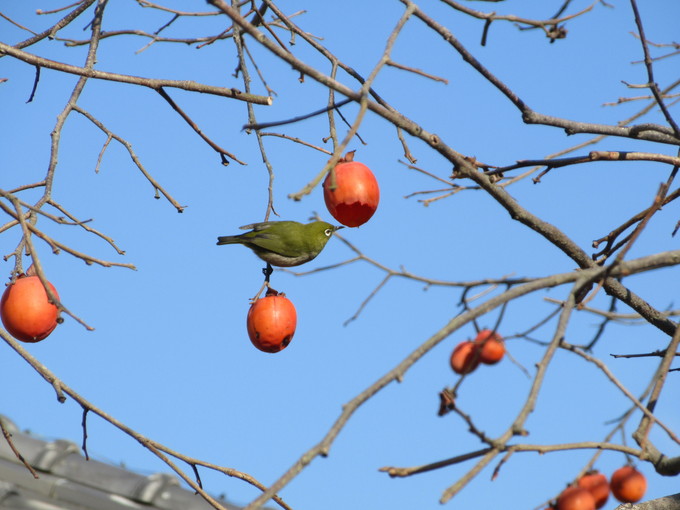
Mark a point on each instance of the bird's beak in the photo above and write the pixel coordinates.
(339, 227)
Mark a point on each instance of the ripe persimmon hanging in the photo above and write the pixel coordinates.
(271, 322)
(26, 311)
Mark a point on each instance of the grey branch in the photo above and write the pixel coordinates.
(152, 83)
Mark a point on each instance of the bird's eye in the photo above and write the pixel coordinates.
(328, 232)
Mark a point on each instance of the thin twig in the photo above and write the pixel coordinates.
(651, 83)
(222, 152)
(265, 125)
(8, 437)
(157, 187)
(414, 70)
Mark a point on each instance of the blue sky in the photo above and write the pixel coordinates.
(170, 356)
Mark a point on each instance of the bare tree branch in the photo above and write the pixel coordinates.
(151, 83)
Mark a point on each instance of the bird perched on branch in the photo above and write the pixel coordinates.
(284, 243)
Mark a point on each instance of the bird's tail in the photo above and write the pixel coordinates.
(227, 240)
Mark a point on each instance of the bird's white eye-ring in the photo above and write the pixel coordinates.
(328, 232)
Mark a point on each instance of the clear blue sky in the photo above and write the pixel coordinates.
(170, 356)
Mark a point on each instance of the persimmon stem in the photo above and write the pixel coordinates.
(267, 272)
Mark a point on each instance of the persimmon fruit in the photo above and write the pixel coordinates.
(598, 485)
(271, 322)
(628, 485)
(26, 311)
(351, 192)
(575, 498)
(464, 358)
(490, 346)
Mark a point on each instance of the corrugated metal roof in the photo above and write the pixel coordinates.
(69, 482)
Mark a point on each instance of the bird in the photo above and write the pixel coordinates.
(284, 243)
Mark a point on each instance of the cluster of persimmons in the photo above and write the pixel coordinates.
(591, 491)
(487, 347)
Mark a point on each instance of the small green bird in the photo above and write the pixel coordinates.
(284, 243)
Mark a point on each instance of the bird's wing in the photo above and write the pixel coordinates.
(256, 227)
(290, 247)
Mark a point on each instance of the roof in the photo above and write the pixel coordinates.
(67, 481)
